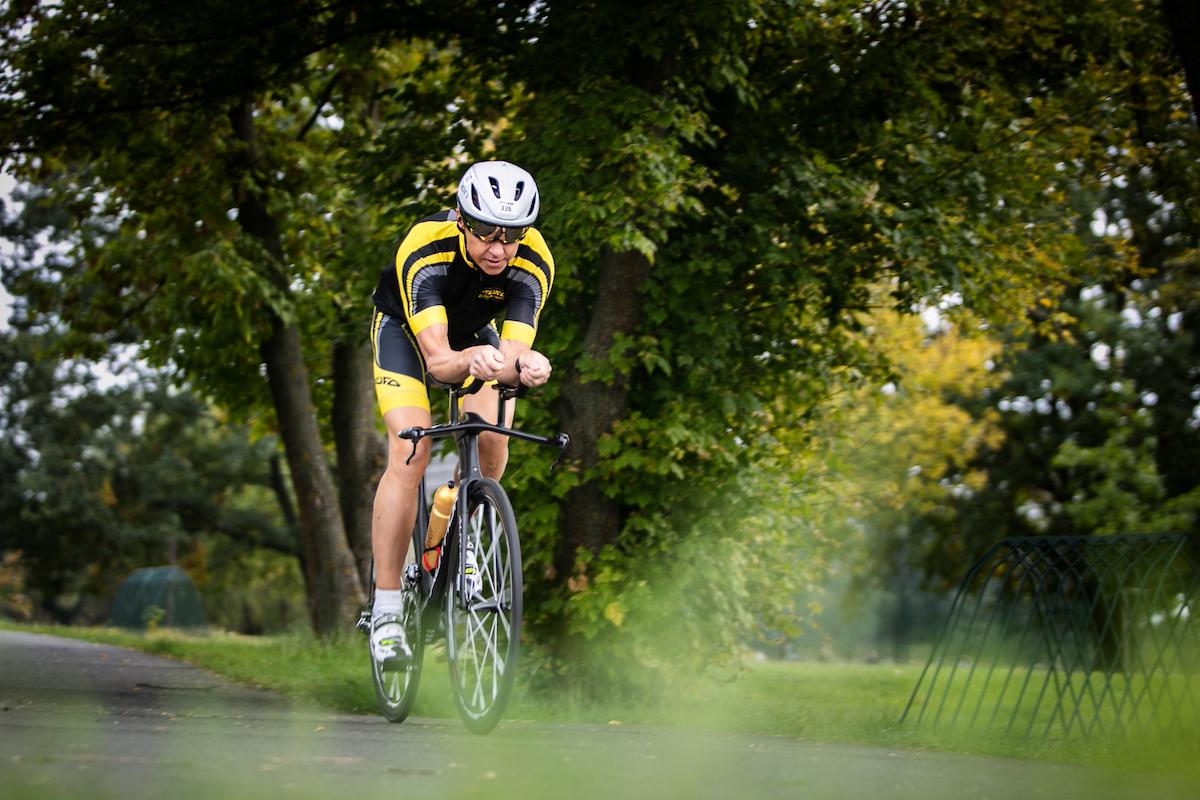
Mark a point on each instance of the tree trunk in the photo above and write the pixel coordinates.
(361, 451)
(589, 408)
(1183, 20)
(334, 592)
(286, 507)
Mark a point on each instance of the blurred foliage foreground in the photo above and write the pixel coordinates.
(750, 204)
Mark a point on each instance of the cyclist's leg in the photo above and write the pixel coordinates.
(493, 448)
(404, 402)
(396, 496)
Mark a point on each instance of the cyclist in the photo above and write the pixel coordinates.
(435, 309)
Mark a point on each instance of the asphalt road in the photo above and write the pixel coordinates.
(91, 721)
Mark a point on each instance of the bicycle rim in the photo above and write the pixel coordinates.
(483, 635)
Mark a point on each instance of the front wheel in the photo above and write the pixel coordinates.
(483, 633)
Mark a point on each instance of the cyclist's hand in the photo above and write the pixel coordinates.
(535, 368)
(486, 363)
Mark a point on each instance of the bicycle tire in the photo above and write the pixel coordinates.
(483, 637)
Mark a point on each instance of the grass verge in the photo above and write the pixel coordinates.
(855, 704)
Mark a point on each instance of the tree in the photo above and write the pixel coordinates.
(732, 185)
(896, 456)
(218, 142)
(1097, 408)
(167, 117)
(96, 480)
(727, 186)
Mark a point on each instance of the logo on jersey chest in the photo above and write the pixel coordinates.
(492, 294)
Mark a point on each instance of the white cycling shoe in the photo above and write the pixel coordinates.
(472, 580)
(389, 642)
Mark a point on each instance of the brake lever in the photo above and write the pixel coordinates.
(562, 440)
(414, 436)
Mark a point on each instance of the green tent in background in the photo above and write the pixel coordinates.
(158, 597)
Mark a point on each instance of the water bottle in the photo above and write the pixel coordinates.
(439, 520)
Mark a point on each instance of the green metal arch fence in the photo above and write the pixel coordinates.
(1063, 637)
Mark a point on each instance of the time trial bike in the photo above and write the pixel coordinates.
(479, 618)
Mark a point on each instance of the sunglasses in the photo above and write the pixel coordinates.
(487, 232)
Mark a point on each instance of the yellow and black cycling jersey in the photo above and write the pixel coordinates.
(432, 280)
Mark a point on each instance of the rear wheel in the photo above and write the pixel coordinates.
(396, 690)
(483, 633)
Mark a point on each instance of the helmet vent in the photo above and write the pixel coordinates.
(520, 188)
(495, 186)
(475, 198)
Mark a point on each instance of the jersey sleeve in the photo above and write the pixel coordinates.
(421, 264)
(531, 279)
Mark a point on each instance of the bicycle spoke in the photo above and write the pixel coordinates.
(487, 640)
(479, 635)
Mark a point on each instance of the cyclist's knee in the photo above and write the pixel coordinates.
(493, 444)
(400, 468)
(493, 453)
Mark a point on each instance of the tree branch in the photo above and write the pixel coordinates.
(321, 102)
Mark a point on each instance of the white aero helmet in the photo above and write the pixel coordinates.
(499, 193)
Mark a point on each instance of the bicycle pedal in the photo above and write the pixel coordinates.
(364, 622)
(397, 665)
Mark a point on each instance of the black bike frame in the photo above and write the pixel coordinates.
(466, 433)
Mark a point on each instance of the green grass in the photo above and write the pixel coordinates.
(837, 703)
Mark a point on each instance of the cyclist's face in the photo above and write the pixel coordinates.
(492, 257)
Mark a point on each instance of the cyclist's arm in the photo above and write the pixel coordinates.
(527, 294)
(449, 365)
(535, 367)
(481, 361)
